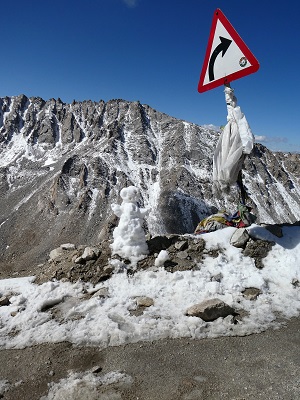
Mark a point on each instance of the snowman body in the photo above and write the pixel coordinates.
(129, 236)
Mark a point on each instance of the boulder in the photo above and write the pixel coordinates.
(210, 310)
(4, 301)
(239, 238)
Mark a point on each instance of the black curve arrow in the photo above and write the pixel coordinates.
(223, 46)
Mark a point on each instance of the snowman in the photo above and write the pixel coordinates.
(129, 237)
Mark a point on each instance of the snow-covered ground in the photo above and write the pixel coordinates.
(105, 315)
(61, 311)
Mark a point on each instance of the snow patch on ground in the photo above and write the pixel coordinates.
(88, 386)
(58, 311)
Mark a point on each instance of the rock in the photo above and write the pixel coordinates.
(96, 369)
(108, 227)
(167, 252)
(73, 265)
(78, 260)
(108, 269)
(217, 278)
(144, 301)
(259, 263)
(4, 301)
(251, 293)
(178, 264)
(102, 293)
(90, 253)
(181, 245)
(13, 314)
(239, 238)
(182, 255)
(196, 246)
(210, 310)
(295, 282)
(170, 265)
(258, 249)
(56, 253)
(158, 243)
(74, 258)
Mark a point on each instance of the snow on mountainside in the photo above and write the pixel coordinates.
(63, 165)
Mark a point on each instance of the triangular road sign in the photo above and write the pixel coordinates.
(227, 57)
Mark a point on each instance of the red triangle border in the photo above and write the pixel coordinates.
(218, 15)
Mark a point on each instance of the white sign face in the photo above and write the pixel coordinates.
(224, 60)
(227, 56)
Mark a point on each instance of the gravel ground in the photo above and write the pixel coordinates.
(261, 366)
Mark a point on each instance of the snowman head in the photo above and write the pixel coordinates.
(130, 194)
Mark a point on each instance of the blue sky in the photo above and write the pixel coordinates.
(153, 51)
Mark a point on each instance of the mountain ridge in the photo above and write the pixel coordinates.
(63, 165)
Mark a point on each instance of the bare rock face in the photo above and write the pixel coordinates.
(63, 165)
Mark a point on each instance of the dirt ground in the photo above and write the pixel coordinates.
(261, 366)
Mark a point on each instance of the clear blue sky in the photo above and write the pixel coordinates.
(153, 51)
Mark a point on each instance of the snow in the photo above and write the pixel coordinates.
(163, 256)
(4, 385)
(153, 219)
(60, 311)
(129, 237)
(49, 161)
(80, 386)
(95, 194)
(212, 127)
(18, 145)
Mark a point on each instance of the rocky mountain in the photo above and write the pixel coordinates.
(63, 165)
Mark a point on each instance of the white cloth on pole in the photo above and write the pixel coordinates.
(234, 143)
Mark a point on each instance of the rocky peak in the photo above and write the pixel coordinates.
(63, 165)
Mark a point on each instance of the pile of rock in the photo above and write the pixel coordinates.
(182, 253)
(77, 263)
